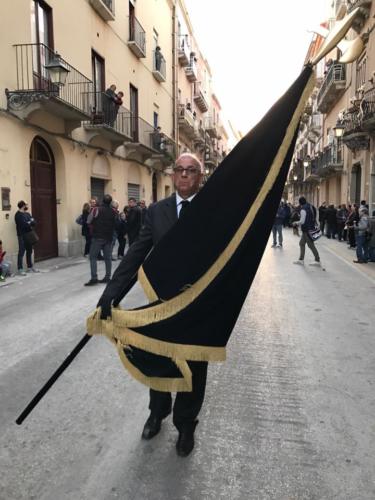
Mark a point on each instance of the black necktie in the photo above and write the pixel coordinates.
(184, 206)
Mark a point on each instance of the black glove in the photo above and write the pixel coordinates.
(106, 304)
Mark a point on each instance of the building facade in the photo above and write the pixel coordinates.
(64, 137)
(334, 159)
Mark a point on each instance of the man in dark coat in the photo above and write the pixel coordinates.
(307, 222)
(322, 215)
(160, 217)
(103, 221)
(134, 220)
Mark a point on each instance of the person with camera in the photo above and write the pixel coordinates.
(24, 225)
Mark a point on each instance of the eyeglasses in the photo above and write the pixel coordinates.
(188, 170)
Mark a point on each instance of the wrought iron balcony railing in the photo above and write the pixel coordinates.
(367, 109)
(330, 159)
(34, 82)
(147, 136)
(332, 87)
(191, 71)
(137, 37)
(107, 115)
(159, 66)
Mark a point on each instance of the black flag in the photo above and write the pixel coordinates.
(197, 277)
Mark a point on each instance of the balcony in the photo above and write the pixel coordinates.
(332, 87)
(36, 92)
(199, 97)
(199, 135)
(314, 128)
(211, 157)
(330, 160)
(107, 119)
(311, 172)
(211, 128)
(137, 38)
(105, 9)
(191, 71)
(354, 136)
(368, 110)
(186, 121)
(159, 66)
(183, 50)
(148, 144)
(364, 12)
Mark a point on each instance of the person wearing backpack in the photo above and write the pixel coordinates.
(307, 223)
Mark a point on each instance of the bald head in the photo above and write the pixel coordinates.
(192, 158)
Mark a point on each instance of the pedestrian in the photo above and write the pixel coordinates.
(121, 229)
(307, 223)
(85, 231)
(287, 213)
(331, 221)
(371, 238)
(322, 215)
(142, 206)
(342, 215)
(361, 230)
(115, 205)
(24, 225)
(277, 228)
(160, 217)
(134, 220)
(103, 222)
(351, 221)
(5, 266)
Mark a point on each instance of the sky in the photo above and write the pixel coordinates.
(255, 49)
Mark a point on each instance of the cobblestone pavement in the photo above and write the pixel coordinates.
(289, 416)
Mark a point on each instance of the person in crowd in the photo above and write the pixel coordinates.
(134, 220)
(331, 221)
(341, 216)
(287, 212)
(118, 103)
(103, 222)
(294, 217)
(24, 224)
(5, 266)
(161, 216)
(121, 229)
(322, 215)
(371, 237)
(142, 206)
(307, 223)
(361, 229)
(115, 205)
(86, 231)
(352, 219)
(363, 206)
(277, 228)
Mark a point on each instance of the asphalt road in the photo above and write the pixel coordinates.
(289, 416)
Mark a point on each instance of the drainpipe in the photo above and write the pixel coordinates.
(174, 77)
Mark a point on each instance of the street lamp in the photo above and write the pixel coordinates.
(57, 70)
(295, 178)
(339, 128)
(207, 171)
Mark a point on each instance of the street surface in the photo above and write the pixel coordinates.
(289, 416)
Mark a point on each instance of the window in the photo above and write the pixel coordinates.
(98, 72)
(361, 73)
(156, 120)
(41, 23)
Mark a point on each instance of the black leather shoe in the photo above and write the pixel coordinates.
(105, 280)
(152, 427)
(92, 282)
(185, 441)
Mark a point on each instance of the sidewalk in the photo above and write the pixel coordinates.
(47, 266)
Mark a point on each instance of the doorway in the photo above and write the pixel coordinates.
(154, 187)
(43, 198)
(355, 185)
(97, 189)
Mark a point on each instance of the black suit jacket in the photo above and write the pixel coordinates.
(160, 217)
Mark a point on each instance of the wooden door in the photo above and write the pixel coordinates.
(43, 199)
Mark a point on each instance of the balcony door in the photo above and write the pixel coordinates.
(98, 78)
(42, 37)
(43, 198)
(133, 92)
